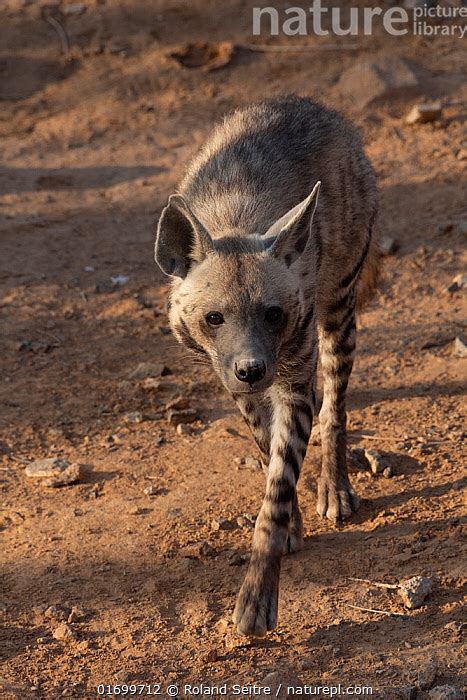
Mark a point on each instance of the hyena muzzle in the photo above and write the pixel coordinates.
(263, 274)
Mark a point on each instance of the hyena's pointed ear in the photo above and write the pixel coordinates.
(287, 238)
(181, 238)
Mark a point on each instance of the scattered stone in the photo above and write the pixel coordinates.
(388, 245)
(236, 559)
(367, 81)
(426, 675)
(119, 280)
(462, 154)
(76, 614)
(154, 490)
(387, 473)
(222, 625)
(413, 591)
(175, 417)
(64, 633)
(57, 612)
(212, 655)
(203, 55)
(134, 417)
(55, 471)
(459, 282)
(149, 369)
(252, 463)
(221, 524)
(246, 520)
(445, 692)
(183, 429)
(376, 460)
(455, 626)
(422, 114)
(199, 550)
(460, 347)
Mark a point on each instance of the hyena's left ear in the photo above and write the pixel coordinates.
(181, 238)
(289, 235)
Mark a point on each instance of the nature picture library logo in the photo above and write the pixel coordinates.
(421, 18)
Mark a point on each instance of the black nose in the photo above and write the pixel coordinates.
(250, 371)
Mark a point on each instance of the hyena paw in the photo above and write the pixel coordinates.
(256, 609)
(336, 501)
(295, 538)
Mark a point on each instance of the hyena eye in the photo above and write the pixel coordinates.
(214, 318)
(274, 315)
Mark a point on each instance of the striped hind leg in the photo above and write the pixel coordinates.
(337, 335)
(257, 415)
(256, 608)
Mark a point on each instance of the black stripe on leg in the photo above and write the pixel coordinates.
(280, 492)
(292, 461)
(300, 430)
(281, 520)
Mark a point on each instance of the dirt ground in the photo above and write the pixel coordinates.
(92, 144)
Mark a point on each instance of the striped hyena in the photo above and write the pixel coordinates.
(262, 275)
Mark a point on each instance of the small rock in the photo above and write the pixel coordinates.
(459, 282)
(445, 692)
(212, 655)
(414, 591)
(57, 612)
(388, 245)
(175, 417)
(222, 625)
(422, 114)
(183, 429)
(76, 614)
(455, 627)
(387, 473)
(152, 490)
(245, 521)
(236, 559)
(462, 154)
(43, 468)
(460, 347)
(221, 524)
(134, 417)
(148, 369)
(64, 633)
(376, 461)
(119, 280)
(427, 675)
(252, 463)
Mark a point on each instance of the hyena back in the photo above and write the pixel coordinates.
(263, 274)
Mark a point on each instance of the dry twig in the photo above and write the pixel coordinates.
(372, 610)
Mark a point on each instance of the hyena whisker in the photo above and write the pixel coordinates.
(269, 246)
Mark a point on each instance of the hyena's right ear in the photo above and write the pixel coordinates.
(181, 238)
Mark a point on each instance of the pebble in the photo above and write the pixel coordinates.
(64, 633)
(387, 473)
(236, 559)
(246, 520)
(183, 429)
(426, 675)
(57, 612)
(422, 114)
(152, 490)
(460, 347)
(445, 692)
(76, 614)
(462, 154)
(459, 282)
(149, 369)
(376, 461)
(55, 472)
(413, 591)
(221, 524)
(175, 417)
(134, 417)
(252, 463)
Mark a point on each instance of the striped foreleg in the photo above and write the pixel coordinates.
(256, 608)
(337, 334)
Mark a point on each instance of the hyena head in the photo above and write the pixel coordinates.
(236, 299)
